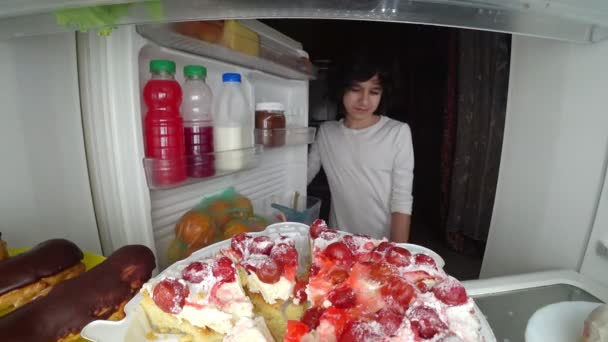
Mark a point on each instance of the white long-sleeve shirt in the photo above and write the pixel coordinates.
(370, 173)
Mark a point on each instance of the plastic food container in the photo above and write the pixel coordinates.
(270, 124)
(136, 327)
(229, 33)
(293, 208)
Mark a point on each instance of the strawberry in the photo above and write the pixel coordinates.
(170, 295)
(416, 276)
(196, 272)
(349, 240)
(269, 271)
(451, 292)
(398, 256)
(342, 296)
(390, 320)
(295, 331)
(339, 253)
(287, 256)
(383, 247)
(336, 317)
(224, 269)
(337, 276)
(328, 235)
(398, 292)
(359, 330)
(380, 272)
(299, 290)
(425, 285)
(317, 227)
(312, 316)
(238, 242)
(261, 245)
(425, 322)
(423, 259)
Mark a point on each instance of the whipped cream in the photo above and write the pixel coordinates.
(404, 333)
(282, 289)
(219, 313)
(250, 330)
(207, 317)
(460, 319)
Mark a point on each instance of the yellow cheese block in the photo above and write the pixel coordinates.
(239, 38)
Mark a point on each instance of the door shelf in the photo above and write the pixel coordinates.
(269, 60)
(212, 165)
(278, 137)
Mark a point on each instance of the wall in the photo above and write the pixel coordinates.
(44, 184)
(554, 150)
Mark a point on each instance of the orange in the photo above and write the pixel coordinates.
(220, 212)
(196, 229)
(241, 207)
(177, 250)
(234, 227)
(257, 223)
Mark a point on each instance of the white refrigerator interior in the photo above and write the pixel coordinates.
(72, 143)
(554, 157)
(44, 184)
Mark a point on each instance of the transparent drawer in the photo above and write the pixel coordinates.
(166, 174)
(277, 137)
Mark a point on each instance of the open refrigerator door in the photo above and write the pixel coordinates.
(113, 72)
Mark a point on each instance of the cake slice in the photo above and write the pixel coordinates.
(268, 266)
(362, 289)
(203, 300)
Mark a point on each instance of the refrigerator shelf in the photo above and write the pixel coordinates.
(220, 163)
(266, 59)
(279, 137)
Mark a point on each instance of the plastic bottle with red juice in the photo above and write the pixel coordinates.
(198, 122)
(163, 125)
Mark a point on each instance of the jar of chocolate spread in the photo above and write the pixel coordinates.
(270, 124)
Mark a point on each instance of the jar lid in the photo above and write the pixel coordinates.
(270, 106)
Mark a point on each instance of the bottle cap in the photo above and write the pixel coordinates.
(231, 77)
(195, 70)
(157, 65)
(270, 106)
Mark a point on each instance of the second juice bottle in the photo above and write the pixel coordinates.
(198, 122)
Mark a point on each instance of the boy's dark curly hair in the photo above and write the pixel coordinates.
(360, 66)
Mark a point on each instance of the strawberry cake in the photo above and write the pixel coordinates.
(268, 268)
(361, 289)
(204, 300)
(355, 289)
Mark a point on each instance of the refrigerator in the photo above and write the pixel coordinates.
(72, 133)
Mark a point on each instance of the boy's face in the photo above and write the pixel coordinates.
(362, 99)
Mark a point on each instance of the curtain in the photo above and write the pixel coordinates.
(473, 134)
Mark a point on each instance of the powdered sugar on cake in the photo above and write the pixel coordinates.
(362, 289)
(358, 289)
(205, 293)
(270, 263)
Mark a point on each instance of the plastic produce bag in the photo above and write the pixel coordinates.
(216, 217)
